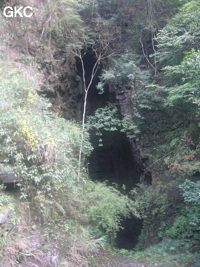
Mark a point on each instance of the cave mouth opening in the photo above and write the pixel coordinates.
(127, 237)
(11, 187)
(114, 161)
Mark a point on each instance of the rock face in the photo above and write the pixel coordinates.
(8, 178)
(3, 216)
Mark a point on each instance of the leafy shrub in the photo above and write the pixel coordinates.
(107, 207)
(187, 225)
(42, 150)
(42, 147)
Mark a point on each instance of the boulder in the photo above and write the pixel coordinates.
(8, 178)
(3, 216)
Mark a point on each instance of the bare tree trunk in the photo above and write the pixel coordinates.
(82, 135)
(86, 90)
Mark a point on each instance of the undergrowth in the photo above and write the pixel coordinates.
(169, 252)
(41, 148)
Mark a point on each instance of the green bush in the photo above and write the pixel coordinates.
(187, 225)
(42, 150)
(42, 147)
(107, 208)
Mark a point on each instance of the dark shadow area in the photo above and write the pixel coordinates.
(114, 161)
(12, 187)
(127, 237)
(95, 100)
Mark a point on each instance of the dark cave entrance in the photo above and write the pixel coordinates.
(127, 237)
(114, 161)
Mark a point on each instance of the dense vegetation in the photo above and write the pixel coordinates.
(145, 54)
